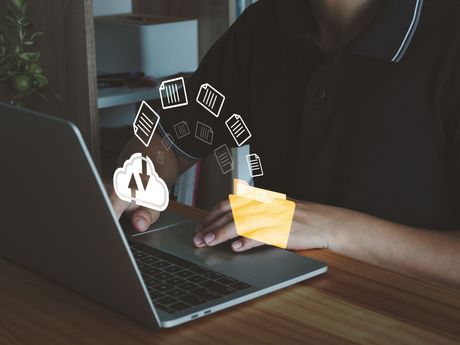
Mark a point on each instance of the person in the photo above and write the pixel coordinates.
(353, 107)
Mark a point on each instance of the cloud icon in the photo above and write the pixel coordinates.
(138, 181)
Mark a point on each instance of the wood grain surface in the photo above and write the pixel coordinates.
(354, 303)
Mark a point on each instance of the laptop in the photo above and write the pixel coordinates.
(59, 223)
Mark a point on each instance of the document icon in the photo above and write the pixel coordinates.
(161, 157)
(181, 129)
(167, 141)
(224, 158)
(204, 133)
(255, 165)
(210, 99)
(145, 123)
(173, 93)
(238, 129)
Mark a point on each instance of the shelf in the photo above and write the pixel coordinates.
(112, 97)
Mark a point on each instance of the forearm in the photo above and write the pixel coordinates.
(427, 254)
(173, 165)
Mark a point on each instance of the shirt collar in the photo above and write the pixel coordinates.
(387, 37)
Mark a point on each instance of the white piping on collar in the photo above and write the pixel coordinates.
(410, 32)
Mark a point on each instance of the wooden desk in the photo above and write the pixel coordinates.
(354, 303)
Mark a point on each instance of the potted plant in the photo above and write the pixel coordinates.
(20, 71)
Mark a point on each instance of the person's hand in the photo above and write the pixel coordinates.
(309, 229)
(141, 217)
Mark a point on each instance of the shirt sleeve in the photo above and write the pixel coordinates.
(225, 68)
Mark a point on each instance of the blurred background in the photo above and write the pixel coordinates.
(103, 57)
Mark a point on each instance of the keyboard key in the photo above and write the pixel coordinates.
(175, 281)
(172, 269)
(163, 287)
(162, 264)
(151, 271)
(139, 255)
(206, 294)
(197, 279)
(213, 275)
(166, 300)
(163, 276)
(240, 286)
(184, 274)
(199, 269)
(226, 281)
(146, 276)
(187, 286)
(142, 266)
(152, 281)
(192, 299)
(156, 294)
(165, 308)
(179, 306)
(150, 260)
(219, 288)
(176, 293)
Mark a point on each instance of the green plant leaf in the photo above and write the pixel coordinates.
(30, 57)
(36, 35)
(18, 4)
(12, 21)
(2, 51)
(24, 9)
(28, 43)
(41, 80)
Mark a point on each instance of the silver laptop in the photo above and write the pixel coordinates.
(58, 222)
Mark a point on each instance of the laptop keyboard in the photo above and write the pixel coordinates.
(175, 284)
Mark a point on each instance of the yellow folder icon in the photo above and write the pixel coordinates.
(261, 214)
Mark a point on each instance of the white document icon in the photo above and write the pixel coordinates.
(255, 165)
(145, 123)
(173, 93)
(238, 129)
(161, 157)
(204, 133)
(181, 129)
(210, 99)
(224, 158)
(167, 141)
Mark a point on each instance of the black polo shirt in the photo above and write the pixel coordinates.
(374, 127)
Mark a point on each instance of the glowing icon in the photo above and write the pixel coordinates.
(137, 181)
(173, 93)
(224, 158)
(204, 133)
(145, 123)
(161, 157)
(255, 165)
(181, 129)
(210, 99)
(262, 215)
(167, 141)
(238, 129)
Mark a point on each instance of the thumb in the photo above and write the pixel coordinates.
(143, 218)
(118, 205)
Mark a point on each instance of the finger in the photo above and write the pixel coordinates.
(245, 243)
(119, 205)
(143, 218)
(216, 237)
(218, 223)
(220, 209)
